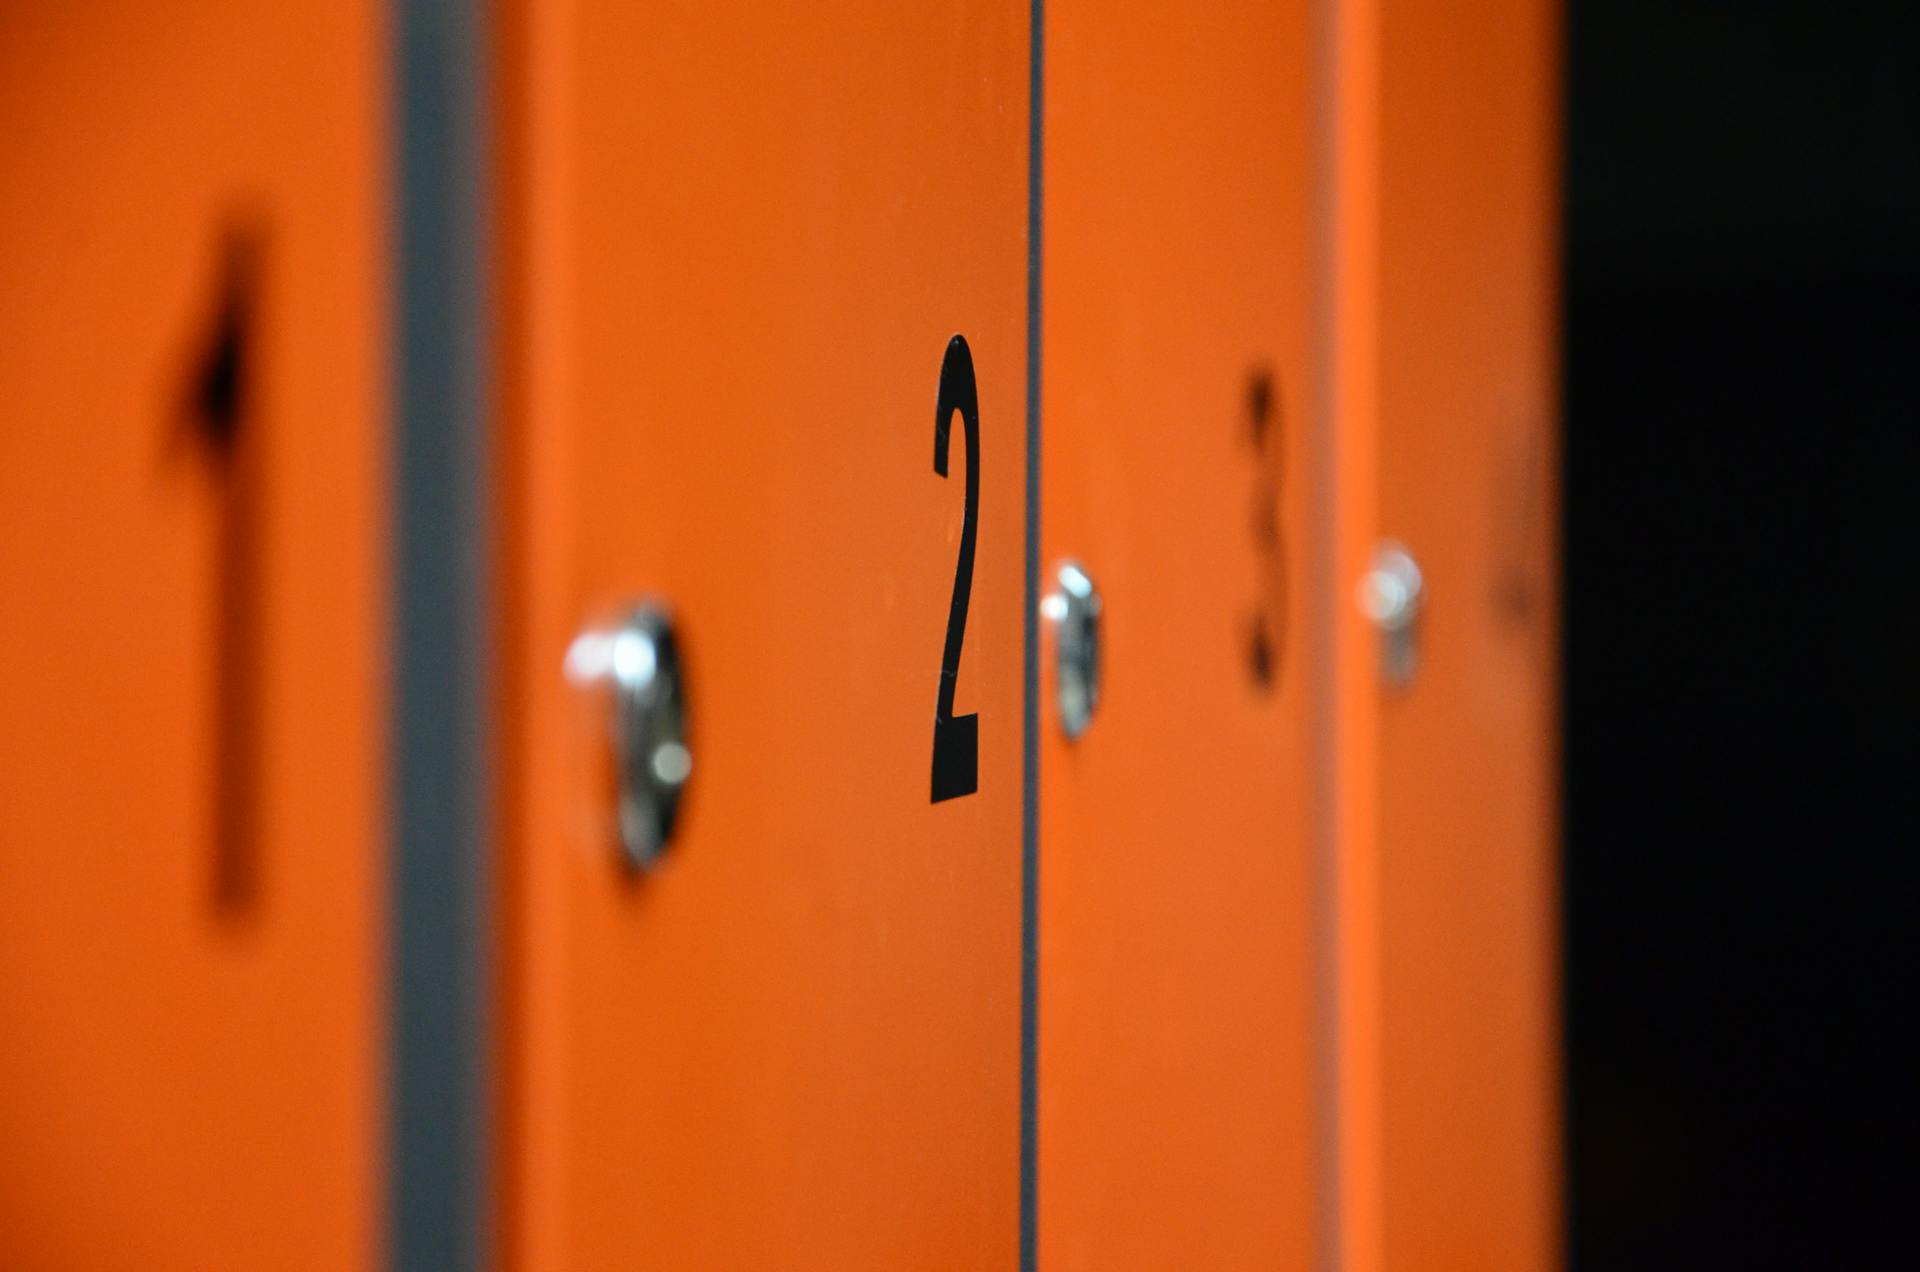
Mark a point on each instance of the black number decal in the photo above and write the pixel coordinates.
(1267, 630)
(219, 402)
(956, 741)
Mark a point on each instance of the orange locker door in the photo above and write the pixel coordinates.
(191, 872)
(1448, 338)
(1176, 1016)
(745, 258)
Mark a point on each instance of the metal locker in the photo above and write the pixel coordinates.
(1445, 765)
(192, 373)
(755, 272)
(1177, 905)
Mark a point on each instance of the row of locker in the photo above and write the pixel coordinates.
(355, 359)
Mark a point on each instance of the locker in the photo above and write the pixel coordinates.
(1177, 1011)
(742, 262)
(192, 332)
(1446, 762)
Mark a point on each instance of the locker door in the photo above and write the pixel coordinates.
(1450, 773)
(191, 842)
(1176, 900)
(738, 250)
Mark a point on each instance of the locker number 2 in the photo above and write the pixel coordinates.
(956, 740)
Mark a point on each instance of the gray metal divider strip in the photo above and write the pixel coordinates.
(1030, 663)
(437, 1137)
(1330, 17)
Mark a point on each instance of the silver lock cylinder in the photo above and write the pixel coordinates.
(1392, 593)
(634, 665)
(1074, 610)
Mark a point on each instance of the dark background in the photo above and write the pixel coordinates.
(1742, 591)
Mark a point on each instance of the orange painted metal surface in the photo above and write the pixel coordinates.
(192, 375)
(734, 250)
(1446, 264)
(1177, 1114)
(1468, 784)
